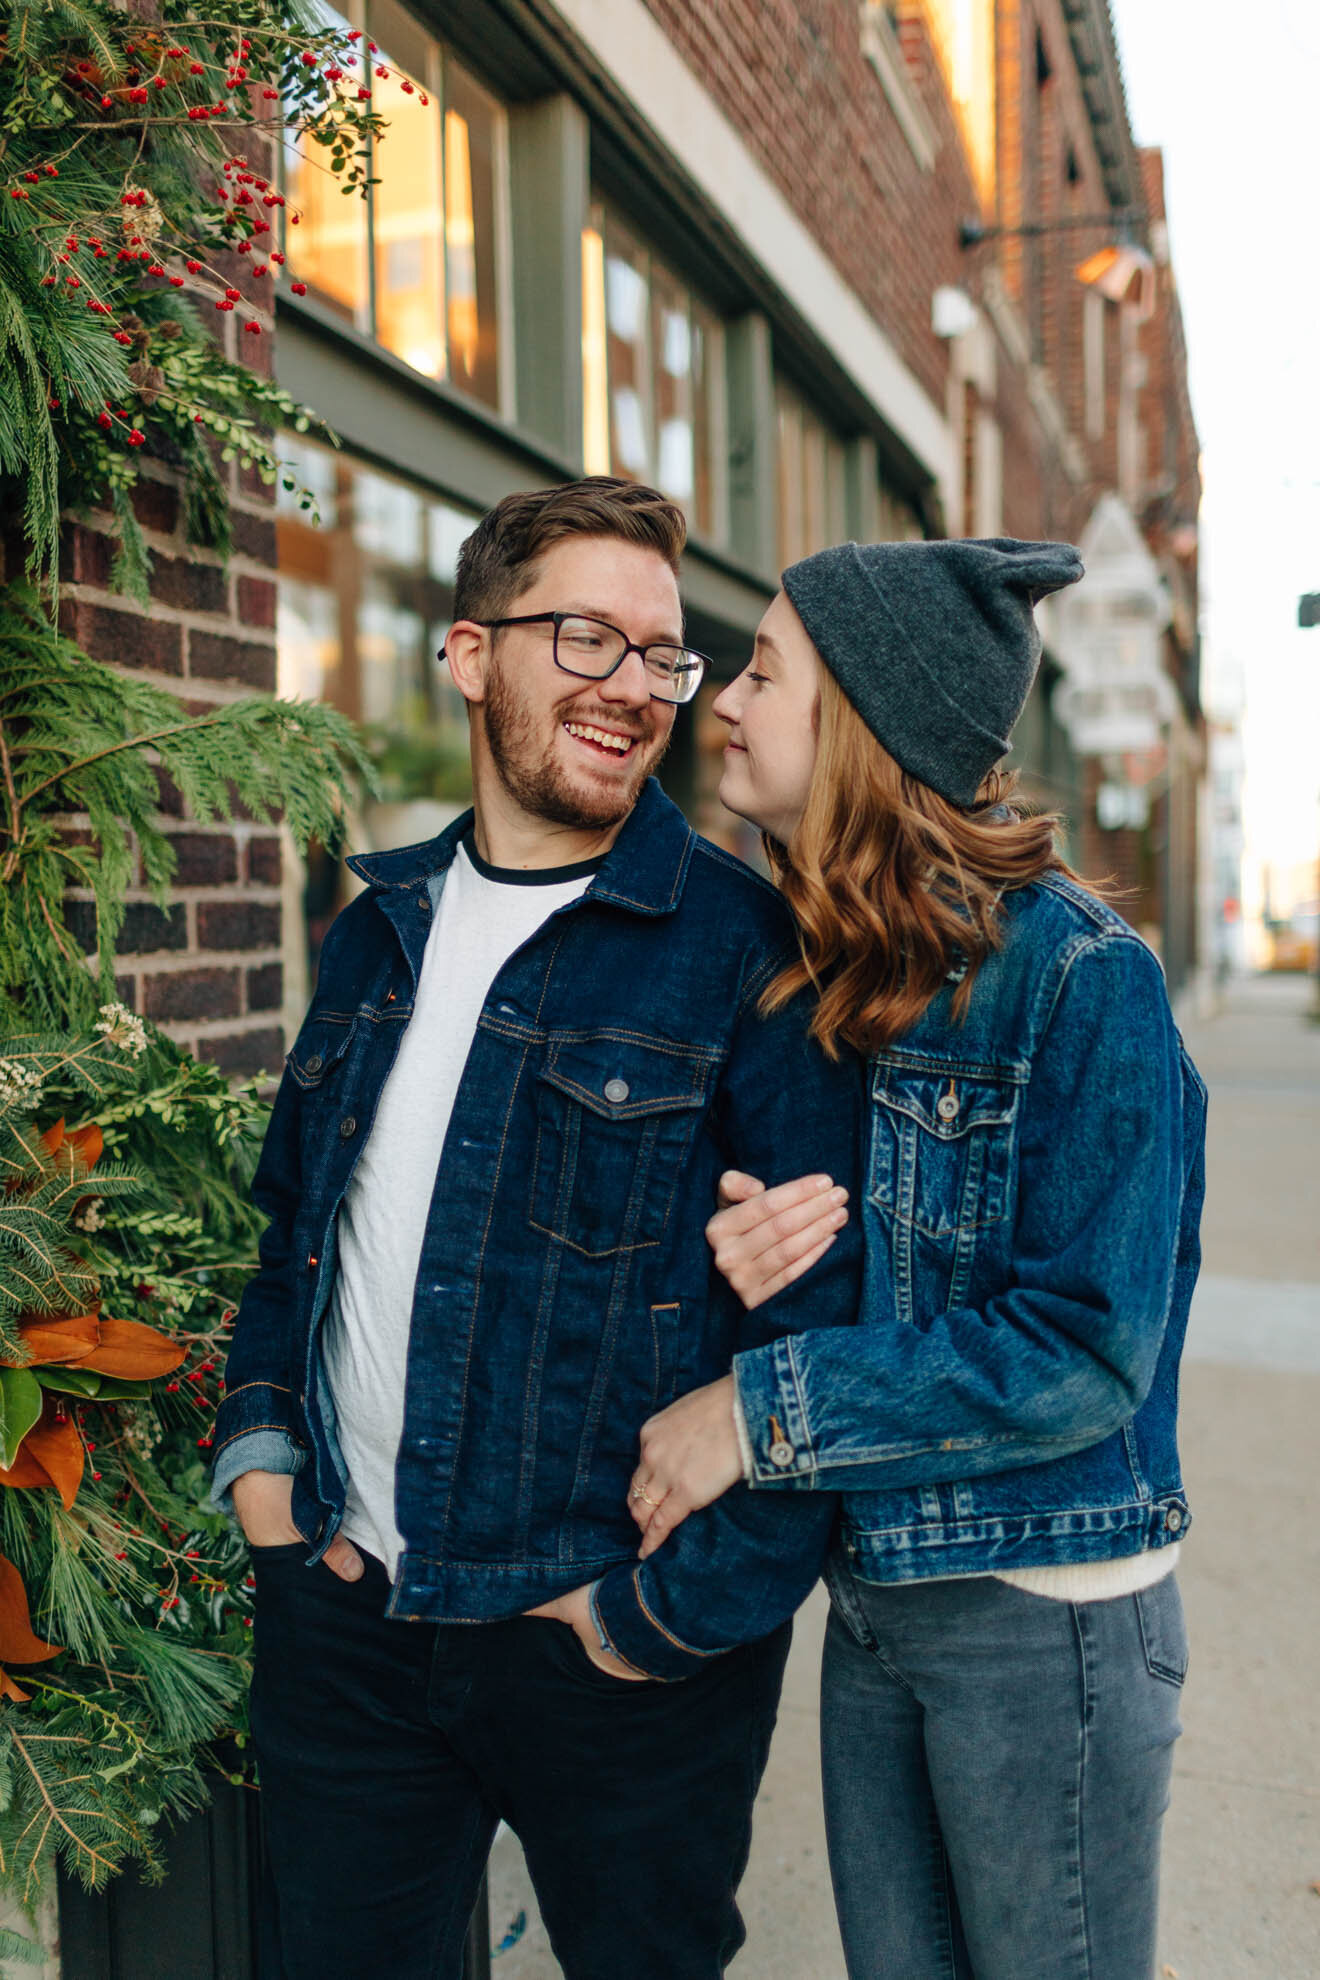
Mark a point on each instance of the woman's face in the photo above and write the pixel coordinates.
(771, 710)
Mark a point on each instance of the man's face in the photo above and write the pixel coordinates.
(577, 752)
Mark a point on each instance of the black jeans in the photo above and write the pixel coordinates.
(388, 1751)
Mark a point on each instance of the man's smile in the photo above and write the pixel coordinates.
(613, 742)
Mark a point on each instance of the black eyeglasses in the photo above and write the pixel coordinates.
(593, 650)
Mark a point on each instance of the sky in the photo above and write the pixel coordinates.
(1232, 96)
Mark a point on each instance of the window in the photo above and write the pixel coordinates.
(812, 501)
(653, 375)
(418, 265)
(963, 35)
(365, 599)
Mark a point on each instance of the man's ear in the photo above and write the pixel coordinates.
(467, 649)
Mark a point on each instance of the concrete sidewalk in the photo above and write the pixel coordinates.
(1243, 1834)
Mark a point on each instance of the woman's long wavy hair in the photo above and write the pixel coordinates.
(894, 889)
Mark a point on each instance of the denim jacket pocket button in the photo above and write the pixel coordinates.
(947, 1108)
(781, 1454)
(616, 1091)
(315, 1063)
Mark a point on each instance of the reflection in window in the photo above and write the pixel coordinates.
(365, 599)
(332, 231)
(431, 234)
(652, 359)
(810, 486)
(408, 242)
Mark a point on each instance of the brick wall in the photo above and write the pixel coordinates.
(792, 77)
(208, 969)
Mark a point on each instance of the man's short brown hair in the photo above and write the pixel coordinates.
(501, 559)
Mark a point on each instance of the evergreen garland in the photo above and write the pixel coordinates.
(125, 199)
(126, 1227)
(126, 1232)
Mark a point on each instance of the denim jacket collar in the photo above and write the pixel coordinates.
(643, 870)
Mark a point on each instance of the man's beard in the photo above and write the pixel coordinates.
(538, 783)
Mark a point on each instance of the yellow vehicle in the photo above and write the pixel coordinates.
(1294, 942)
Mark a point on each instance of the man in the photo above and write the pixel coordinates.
(535, 1043)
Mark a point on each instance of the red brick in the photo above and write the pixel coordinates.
(85, 555)
(156, 505)
(192, 993)
(147, 929)
(244, 1054)
(190, 585)
(206, 859)
(216, 657)
(263, 862)
(238, 925)
(254, 536)
(265, 987)
(126, 639)
(256, 602)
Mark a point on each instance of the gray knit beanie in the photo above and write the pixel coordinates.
(934, 644)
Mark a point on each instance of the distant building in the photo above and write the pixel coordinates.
(732, 250)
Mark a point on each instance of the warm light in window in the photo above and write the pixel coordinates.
(963, 35)
(460, 246)
(595, 379)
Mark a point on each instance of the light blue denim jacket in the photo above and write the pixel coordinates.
(1032, 1212)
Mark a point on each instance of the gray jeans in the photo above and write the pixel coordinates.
(996, 1773)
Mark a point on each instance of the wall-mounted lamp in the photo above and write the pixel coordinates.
(952, 312)
(971, 233)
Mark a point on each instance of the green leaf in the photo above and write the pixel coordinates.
(116, 1388)
(70, 1381)
(25, 1952)
(20, 1401)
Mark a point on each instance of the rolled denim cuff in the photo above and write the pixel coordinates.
(745, 1455)
(259, 1450)
(596, 1623)
(773, 1414)
(630, 1629)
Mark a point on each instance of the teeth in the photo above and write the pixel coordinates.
(621, 743)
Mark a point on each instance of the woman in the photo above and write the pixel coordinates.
(1005, 1645)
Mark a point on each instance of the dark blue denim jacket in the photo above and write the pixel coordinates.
(566, 1289)
(1032, 1220)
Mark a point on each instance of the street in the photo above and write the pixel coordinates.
(1242, 1856)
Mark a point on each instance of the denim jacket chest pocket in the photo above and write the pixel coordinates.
(616, 1118)
(319, 1051)
(941, 1177)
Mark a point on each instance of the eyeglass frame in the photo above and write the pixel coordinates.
(629, 646)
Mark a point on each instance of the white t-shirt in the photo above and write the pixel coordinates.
(485, 913)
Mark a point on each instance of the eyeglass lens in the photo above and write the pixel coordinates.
(590, 648)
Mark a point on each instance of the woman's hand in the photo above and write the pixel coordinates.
(689, 1456)
(763, 1238)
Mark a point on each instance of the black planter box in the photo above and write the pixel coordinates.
(207, 1920)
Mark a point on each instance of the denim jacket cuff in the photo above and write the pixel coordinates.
(255, 1450)
(774, 1416)
(630, 1628)
(253, 1406)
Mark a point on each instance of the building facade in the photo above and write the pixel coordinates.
(818, 270)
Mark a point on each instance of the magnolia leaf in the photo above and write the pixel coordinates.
(20, 1406)
(51, 1454)
(18, 1645)
(113, 1389)
(129, 1349)
(70, 1381)
(66, 1339)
